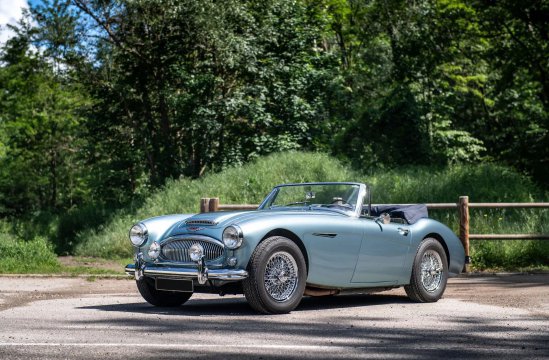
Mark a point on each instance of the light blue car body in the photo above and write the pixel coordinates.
(342, 251)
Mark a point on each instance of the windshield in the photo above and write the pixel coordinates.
(339, 197)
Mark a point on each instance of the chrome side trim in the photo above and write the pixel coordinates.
(189, 273)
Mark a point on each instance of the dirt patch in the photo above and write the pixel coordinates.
(525, 291)
(19, 291)
(92, 263)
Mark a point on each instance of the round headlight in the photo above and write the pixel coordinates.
(154, 250)
(138, 234)
(232, 236)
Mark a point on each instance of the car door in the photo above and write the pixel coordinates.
(333, 246)
(382, 252)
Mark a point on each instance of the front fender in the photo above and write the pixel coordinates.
(158, 227)
(429, 227)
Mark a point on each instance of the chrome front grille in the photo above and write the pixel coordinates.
(178, 250)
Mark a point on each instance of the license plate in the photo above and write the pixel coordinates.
(174, 285)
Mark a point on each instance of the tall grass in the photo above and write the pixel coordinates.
(245, 184)
(482, 183)
(100, 232)
(19, 256)
(250, 183)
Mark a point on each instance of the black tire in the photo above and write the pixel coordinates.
(275, 256)
(429, 289)
(158, 297)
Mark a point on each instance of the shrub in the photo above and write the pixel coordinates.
(20, 256)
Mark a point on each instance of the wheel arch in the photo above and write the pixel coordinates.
(441, 240)
(293, 237)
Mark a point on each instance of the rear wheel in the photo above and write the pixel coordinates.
(429, 272)
(277, 276)
(158, 297)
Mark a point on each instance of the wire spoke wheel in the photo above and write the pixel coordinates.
(281, 276)
(431, 270)
(277, 275)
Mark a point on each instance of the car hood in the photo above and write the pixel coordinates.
(222, 219)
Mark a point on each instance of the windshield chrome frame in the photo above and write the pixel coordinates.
(363, 194)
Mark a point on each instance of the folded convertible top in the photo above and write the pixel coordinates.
(410, 213)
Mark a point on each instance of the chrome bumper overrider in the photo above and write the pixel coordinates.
(189, 273)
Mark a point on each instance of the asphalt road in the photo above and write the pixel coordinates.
(504, 317)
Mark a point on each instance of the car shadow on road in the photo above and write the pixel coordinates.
(352, 334)
(238, 306)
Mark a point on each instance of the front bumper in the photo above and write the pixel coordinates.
(188, 273)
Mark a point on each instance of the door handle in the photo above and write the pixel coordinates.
(403, 231)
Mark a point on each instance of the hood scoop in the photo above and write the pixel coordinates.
(200, 222)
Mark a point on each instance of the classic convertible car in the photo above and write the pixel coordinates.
(312, 239)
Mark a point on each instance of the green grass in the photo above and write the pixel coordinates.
(27, 257)
(37, 257)
(246, 184)
(104, 234)
(250, 183)
(482, 183)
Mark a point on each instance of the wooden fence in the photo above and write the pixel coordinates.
(463, 206)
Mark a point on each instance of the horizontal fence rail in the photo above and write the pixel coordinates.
(463, 206)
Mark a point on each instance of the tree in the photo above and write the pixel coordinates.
(41, 113)
(518, 53)
(412, 74)
(189, 85)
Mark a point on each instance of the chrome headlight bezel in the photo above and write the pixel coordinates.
(138, 234)
(232, 237)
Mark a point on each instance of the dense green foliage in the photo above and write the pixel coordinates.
(104, 102)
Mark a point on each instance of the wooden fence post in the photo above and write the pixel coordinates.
(213, 204)
(464, 229)
(204, 205)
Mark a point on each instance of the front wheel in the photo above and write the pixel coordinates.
(429, 272)
(158, 297)
(277, 276)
